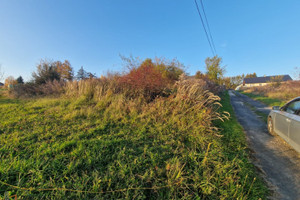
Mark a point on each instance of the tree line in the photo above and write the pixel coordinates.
(50, 71)
(216, 73)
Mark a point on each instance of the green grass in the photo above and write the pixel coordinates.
(114, 144)
(236, 148)
(266, 100)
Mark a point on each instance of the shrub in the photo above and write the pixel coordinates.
(46, 71)
(146, 79)
(28, 90)
(10, 82)
(170, 70)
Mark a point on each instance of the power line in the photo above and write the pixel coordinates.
(212, 41)
(208, 39)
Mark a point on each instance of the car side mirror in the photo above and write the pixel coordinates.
(276, 108)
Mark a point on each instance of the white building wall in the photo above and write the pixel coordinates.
(255, 84)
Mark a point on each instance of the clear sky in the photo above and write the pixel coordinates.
(261, 36)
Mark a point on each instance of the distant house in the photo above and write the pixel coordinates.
(264, 80)
(1, 84)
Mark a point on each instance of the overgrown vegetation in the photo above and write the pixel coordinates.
(266, 100)
(120, 137)
(115, 144)
(274, 94)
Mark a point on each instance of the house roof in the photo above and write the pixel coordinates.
(265, 79)
(1, 84)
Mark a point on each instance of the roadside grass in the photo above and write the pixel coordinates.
(266, 100)
(236, 148)
(117, 149)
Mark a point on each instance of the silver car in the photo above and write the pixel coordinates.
(285, 121)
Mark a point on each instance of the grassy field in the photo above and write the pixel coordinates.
(274, 95)
(113, 149)
(264, 99)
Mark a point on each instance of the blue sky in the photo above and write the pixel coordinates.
(251, 36)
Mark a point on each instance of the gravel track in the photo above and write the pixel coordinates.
(277, 161)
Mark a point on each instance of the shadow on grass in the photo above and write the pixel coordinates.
(8, 101)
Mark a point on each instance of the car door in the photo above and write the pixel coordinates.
(284, 118)
(282, 123)
(294, 129)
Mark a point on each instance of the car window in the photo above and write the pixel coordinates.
(293, 108)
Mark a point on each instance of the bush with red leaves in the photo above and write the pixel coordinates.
(145, 79)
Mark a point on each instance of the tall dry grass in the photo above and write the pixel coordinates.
(92, 89)
(285, 91)
(29, 90)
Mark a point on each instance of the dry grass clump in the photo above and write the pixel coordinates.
(195, 92)
(285, 91)
(92, 89)
(28, 90)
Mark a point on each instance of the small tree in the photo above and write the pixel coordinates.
(236, 81)
(200, 75)
(10, 82)
(90, 75)
(214, 71)
(226, 82)
(251, 75)
(65, 70)
(81, 74)
(46, 71)
(20, 80)
(171, 70)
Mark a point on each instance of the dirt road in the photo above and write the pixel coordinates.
(279, 163)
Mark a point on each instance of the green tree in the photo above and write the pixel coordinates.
(199, 75)
(251, 75)
(46, 71)
(170, 70)
(214, 70)
(81, 74)
(20, 80)
(90, 75)
(236, 80)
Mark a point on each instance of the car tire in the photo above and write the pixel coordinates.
(271, 126)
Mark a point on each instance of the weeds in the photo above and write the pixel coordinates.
(150, 133)
(275, 95)
(97, 139)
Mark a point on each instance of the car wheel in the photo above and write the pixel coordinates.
(271, 126)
